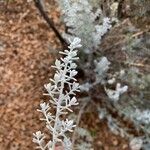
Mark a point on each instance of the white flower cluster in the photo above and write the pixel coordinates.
(142, 116)
(62, 92)
(101, 69)
(114, 95)
(81, 21)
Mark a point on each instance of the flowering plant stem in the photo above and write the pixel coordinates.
(61, 89)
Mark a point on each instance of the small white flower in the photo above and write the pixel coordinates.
(75, 43)
(75, 86)
(58, 64)
(115, 94)
(38, 137)
(73, 65)
(48, 87)
(73, 101)
(73, 73)
(44, 107)
(68, 125)
(57, 77)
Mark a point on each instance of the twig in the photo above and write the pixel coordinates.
(6, 5)
(23, 16)
(137, 34)
(120, 9)
(50, 23)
